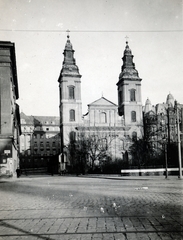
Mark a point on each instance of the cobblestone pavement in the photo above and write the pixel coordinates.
(86, 208)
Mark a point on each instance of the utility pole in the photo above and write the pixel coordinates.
(179, 143)
(166, 163)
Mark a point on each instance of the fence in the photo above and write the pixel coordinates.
(146, 172)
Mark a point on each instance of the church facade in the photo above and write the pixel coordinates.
(116, 125)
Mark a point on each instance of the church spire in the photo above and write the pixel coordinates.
(128, 70)
(129, 91)
(69, 66)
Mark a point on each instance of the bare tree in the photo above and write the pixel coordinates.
(88, 150)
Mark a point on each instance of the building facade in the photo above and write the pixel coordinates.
(129, 95)
(102, 120)
(161, 127)
(40, 142)
(9, 111)
(117, 124)
(70, 99)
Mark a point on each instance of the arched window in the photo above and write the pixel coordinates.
(103, 117)
(132, 95)
(72, 115)
(71, 92)
(102, 144)
(133, 116)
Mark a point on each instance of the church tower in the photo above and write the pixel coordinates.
(129, 93)
(70, 96)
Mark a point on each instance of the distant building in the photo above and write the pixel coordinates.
(40, 142)
(9, 111)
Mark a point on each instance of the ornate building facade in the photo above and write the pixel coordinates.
(161, 127)
(117, 124)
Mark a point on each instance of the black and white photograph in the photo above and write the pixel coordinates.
(91, 120)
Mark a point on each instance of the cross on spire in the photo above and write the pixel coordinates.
(68, 31)
(127, 39)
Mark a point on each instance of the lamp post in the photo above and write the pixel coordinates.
(166, 162)
(179, 142)
(163, 123)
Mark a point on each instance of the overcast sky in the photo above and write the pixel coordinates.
(97, 32)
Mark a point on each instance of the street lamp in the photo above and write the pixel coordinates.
(166, 162)
(178, 140)
(163, 123)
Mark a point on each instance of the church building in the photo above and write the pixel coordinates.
(116, 124)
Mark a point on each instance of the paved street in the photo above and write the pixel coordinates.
(90, 208)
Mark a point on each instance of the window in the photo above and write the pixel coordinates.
(72, 136)
(41, 145)
(103, 144)
(71, 92)
(133, 116)
(103, 117)
(132, 95)
(72, 115)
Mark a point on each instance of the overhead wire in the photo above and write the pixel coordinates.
(90, 31)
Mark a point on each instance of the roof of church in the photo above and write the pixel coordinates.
(69, 67)
(128, 70)
(102, 101)
(68, 45)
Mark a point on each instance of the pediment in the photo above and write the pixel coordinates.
(102, 102)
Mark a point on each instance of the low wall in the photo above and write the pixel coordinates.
(149, 172)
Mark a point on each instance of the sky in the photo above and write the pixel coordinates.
(97, 32)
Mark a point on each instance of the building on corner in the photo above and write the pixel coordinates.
(9, 111)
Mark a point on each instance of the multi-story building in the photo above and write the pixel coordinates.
(9, 111)
(40, 142)
(160, 126)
